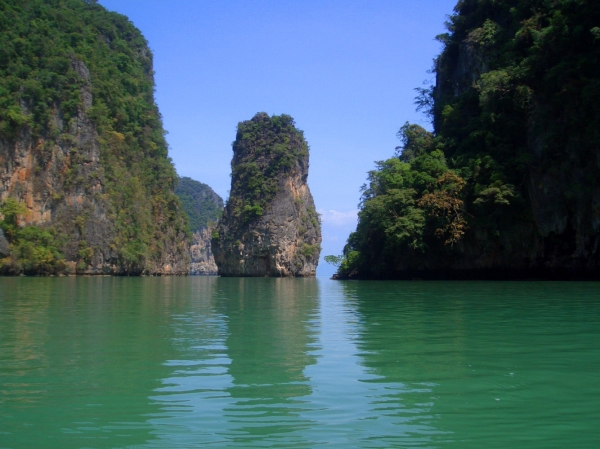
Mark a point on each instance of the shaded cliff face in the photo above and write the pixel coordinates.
(270, 226)
(516, 98)
(516, 119)
(82, 146)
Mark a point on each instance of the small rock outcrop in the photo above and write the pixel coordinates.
(202, 261)
(270, 226)
(203, 207)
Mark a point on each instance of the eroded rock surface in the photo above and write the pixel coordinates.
(270, 226)
(202, 261)
(82, 149)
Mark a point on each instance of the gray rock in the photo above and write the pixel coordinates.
(33, 169)
(202, 261)
(4, 248)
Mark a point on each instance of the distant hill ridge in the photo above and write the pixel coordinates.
(200, 202)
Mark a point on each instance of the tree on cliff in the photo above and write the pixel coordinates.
(32, 250)
(412, 204)
(264, 149)
(516, 120)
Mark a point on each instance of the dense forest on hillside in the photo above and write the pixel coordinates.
(201, 204)
(506, 186)
(82, 143)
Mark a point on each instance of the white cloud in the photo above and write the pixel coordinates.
(337, 218)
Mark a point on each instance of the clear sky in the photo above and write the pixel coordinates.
(344, 69)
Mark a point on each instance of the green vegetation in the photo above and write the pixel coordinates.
(265, 148)
(269, 226)
(512, 160)
(33, 250)
(201, 204)
(412, 204)
(336, 261)
(308, 250)
(46, 49)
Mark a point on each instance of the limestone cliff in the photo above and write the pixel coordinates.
(82, 146)
(516, 98)
(202, 261)
(203, 207)
(270, 226)
(506, 187)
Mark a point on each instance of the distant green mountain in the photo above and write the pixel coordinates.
(507, 184)
(203, 208)
(202, 205)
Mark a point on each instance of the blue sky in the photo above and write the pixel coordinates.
(345, 70)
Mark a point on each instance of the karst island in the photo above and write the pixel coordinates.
(270, 226)
(161, 292)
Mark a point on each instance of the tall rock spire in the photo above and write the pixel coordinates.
(270, 226)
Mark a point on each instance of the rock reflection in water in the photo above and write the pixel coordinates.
(269, 343)
(242, 349)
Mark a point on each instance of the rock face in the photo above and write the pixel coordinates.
(82, 146)
(202, 261)
(270, 226)
(516, 119)
(203, 207)
(32, 169)
(539, 140)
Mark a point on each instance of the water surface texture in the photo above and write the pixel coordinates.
(297, 363)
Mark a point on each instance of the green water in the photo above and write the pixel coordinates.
(303, 363)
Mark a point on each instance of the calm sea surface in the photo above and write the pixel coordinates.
(298, 363)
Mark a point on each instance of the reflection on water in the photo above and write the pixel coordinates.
(200, 361)
(485, 364)
(244, 348)
(72, 352)
(271, 334)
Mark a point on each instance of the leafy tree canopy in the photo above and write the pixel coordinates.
(516, 95)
